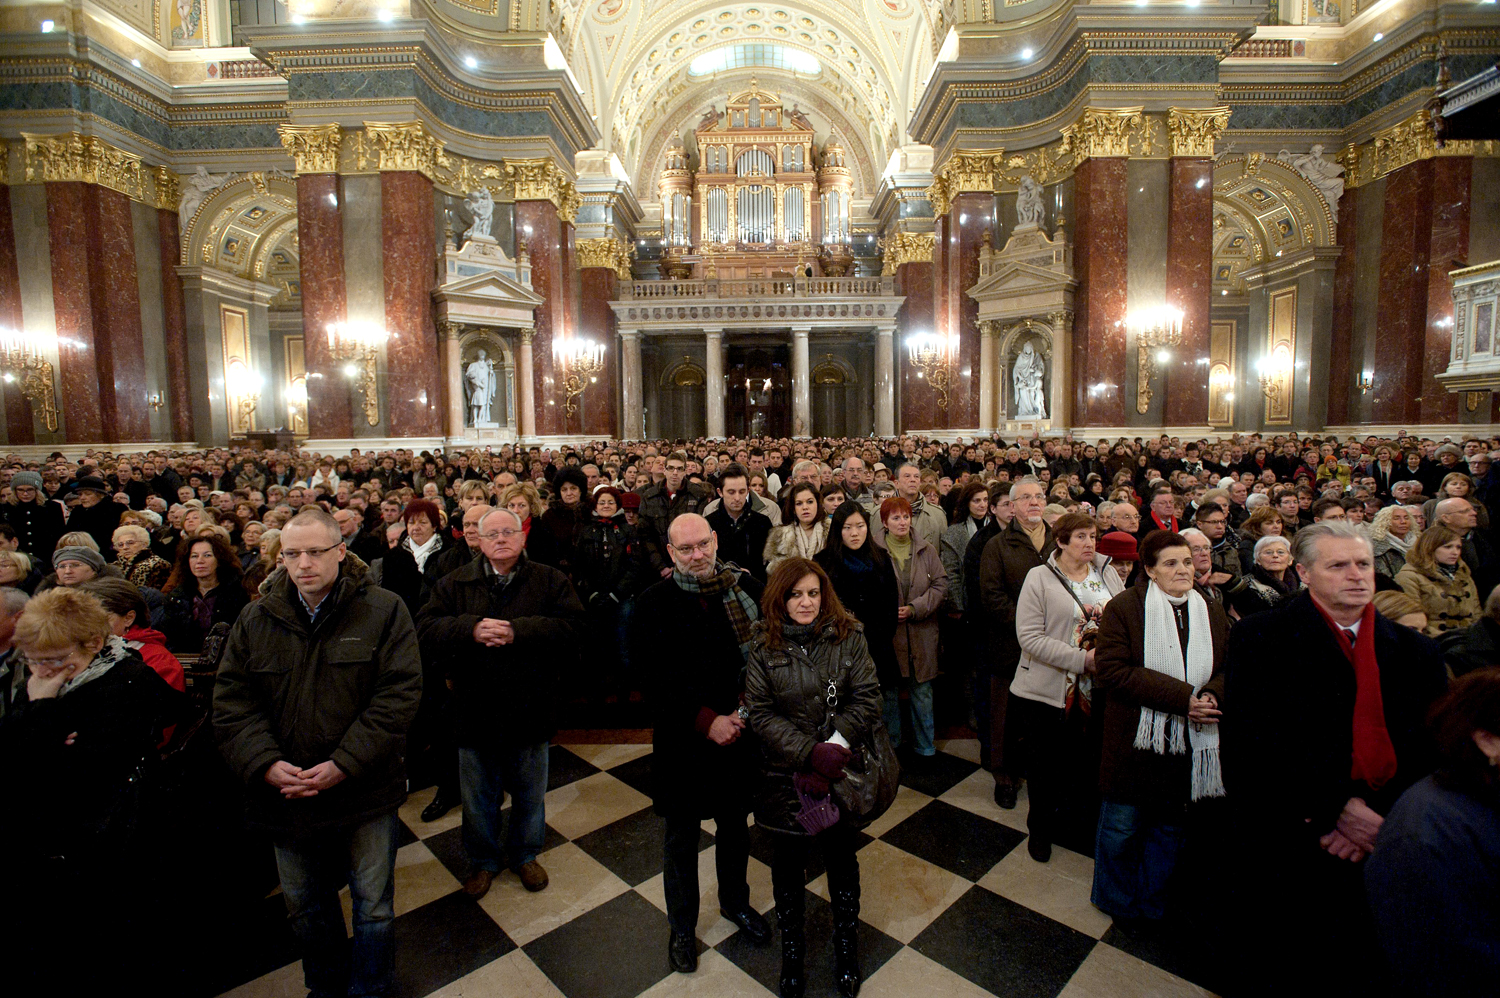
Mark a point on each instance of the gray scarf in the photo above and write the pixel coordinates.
(114, 652)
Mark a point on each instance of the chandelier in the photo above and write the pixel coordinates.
(932, 356)
(1156, 330)
(359, 344)
(24, 357)
(581, 362)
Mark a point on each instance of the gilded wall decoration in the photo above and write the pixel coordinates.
(1195, 130)
(907, 247)
(405, 146)
(1104, 131)
(604, 252)
(314, 148)
(86, 159)
(1402, 144)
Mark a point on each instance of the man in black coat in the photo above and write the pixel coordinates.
(319, 682)
(96, 514)
(704, 762)
(741, 531)
(1322, 732)
(664, 501)
(504, 623)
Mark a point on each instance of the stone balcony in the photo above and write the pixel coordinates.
(815, 302)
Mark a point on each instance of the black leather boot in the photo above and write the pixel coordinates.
(846, 941)
(790, 919)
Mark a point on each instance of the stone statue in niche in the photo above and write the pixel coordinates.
(479, 380)
(1029, 207)
(199, 186)
(1028, 375)
(482, 206)
(1323, 173)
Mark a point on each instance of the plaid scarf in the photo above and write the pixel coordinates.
(739, 607)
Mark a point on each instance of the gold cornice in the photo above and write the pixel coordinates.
(405, 146)
(542, 180)
(605, 252)
(1195, 130)
(907, 247)
(84, 159)
(1404, 143)
(314, 148)
(1104, 131)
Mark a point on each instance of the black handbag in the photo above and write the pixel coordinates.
(872, 776)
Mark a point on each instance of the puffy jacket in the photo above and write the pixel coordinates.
(786, 692)
(1450, 602)
(345, 688)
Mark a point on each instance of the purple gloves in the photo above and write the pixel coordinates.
(828, 760)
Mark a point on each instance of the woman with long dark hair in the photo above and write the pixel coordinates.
(803, 527)
(206, 587)
(861, 576)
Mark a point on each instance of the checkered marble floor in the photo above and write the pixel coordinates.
(951, 906)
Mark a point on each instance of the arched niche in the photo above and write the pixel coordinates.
(239, 224)
(1014, 339)
(682, 400)
(835, 393)
(497, 349)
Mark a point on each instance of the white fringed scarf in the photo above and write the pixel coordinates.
(1165, 733)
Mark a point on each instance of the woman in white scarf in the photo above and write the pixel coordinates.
(1160, 660)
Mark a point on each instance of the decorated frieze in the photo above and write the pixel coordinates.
(612, 254)
(907, 247)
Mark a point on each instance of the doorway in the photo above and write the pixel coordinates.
(759, 385)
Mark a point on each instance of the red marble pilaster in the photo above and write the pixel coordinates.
(114, 286)
(77, 374)
(1447, 249)
(1099, 264)
(20, 429)
(919, 408)
(1401, 312)
(596, 407)
(320, 244)
(540, 230)
(971, 217)
(174, 326)
(412, 363)
(1340, 350)
(1190, 261)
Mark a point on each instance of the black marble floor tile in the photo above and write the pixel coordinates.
(442, 941)
(617, 950)
(959, 841)
(1191, 952)
(764, 962)
(763, 848)
(631, 848)
(448, 846)
(635, 774)
(405, 836)
(1004, 947)
(936, 775)
(563, 767)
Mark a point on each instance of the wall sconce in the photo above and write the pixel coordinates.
(244, 393)
(296, 405)
(1271, 372)
(1156, 330)
(931, 355)
(581, 361)
(359, 342)
(156, 402)
(24, 357)
(1366, 382)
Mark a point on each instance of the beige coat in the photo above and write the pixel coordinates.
(925, 592)
(1047, 623)
(1450, 604)
(790, 541)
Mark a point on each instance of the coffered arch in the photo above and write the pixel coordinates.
(246, 227)
(1263, 208)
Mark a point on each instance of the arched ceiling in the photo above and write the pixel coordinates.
(632, 57)
(1263, 208)
(248, 227)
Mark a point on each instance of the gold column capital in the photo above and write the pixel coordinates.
(166, 189)
(314, 148)
(406, 146)
(542, 180)
(1195, 130)
(606, 252)
(1103, 131)
(939, 195)
(907, 247)
(83, 159)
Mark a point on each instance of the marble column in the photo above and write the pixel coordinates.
(1448, 240)
(540, 230)
(801, 384)
(1341, 361)
(988, 400)
(970, 218)
(1099, 265)
(453, 377)
(597, 323)
(919, 408)
(18, 423)
(714, 381)
(320, 245)
(1190, 252)
(407, 239)
(630, 385)
(885, 382)
(174, 326)
(525, 375)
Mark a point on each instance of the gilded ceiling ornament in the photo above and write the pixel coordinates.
(541, 180)
(907, 247)
(85, 159)
(1103, 131)
(314, 148)
(1195, 130)
(406, 146)
(606, 252)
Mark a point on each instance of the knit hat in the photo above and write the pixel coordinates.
(88, 556)
(23, 478)
(1119, 545)
(630, 500)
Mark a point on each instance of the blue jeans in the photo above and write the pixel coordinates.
(485, 775)
(1135, 852)
(922, 727)
(313, 869)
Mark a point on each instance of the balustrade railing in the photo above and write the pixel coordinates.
(756, 288)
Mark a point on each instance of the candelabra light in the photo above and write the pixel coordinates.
(932, 355)
(1157, 330)
(359, 343)
(1271, 372)
(1366, 382)
(24, 357)
(581, 362)
(156, 402)
(296, 405)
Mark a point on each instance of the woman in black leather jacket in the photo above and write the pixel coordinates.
(811, 692)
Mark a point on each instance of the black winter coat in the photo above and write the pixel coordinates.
(554, 535)
(1003, 567)
(786, 691)
(659, 510)
(688, 651)
(503, 696)
(398, 573)
(99, 522)
(743, 541)
(37, 527)
(345, 688)
(609, 559)
(181, 627)
(873, 598)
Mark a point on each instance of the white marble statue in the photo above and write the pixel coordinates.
(199, 186)
(1324, 174)
(479, 379)
(1028, 374)
(482, 206)
(1029, 207)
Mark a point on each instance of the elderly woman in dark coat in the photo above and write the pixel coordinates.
(1160, 662)
(806, 643)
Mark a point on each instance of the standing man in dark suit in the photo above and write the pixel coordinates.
(1007, 558)
(1315, 755)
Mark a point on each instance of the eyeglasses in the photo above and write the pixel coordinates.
(688, 550)
(495, 535)
(289, 555)
(50, 663)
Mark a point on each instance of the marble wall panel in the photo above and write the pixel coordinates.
(1484, 211)
(116, 293)
(1401, 316)
(596, 407)
(1099, 264)
(1190, 258)
(1365, 230)
(541, 231)
(919, 408)
(28, 207)
(68, 227)
(174, 328)
(414, 383)
(1447, 249)
(153, 347)
(973, 217)
(320, 243)
(364, 286)
(17, 413)
(1341, 378)
(1146, 232)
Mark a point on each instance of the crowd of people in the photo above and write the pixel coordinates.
(1255, 678)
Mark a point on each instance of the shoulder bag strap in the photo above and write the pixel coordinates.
(1067, 586)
